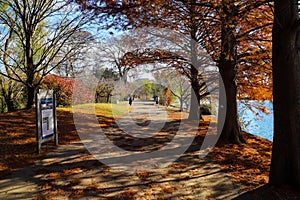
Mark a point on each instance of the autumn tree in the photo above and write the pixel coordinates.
(239, 48)
(147, 89)
(40, 29)
(254, 67)
(227, 67)
(237, 36)
(285, 164)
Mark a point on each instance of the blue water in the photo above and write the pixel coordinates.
(254, 120)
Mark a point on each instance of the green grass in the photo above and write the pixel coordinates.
(103, 109)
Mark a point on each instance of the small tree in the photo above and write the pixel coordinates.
(106, 85)
(179, 85)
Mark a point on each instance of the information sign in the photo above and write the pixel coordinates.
(46, 117)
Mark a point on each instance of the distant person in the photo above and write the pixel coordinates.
(130, 101)
(157, 100)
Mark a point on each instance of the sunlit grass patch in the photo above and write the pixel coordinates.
(104, 109)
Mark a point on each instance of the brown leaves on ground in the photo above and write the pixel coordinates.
(248, 164)
(169, 189)
(128, 193)
(143, 175)
(18, 138)
(179, 166)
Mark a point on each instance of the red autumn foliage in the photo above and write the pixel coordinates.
(64, 88)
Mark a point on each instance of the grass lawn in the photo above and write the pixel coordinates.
(103, 109)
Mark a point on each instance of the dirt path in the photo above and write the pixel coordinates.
(71, 172)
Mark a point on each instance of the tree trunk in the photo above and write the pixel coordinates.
(30, 72)
(195, 112)
(285, 164)
(124, 76)
(231, 131)
(30, 96)
(9, 103)
(107, 98)
(181, 104)
(7, 96)
(195, 95)
(30, 83)
(195, 103)
(2, 105)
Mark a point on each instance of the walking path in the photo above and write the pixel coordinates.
(71, 172)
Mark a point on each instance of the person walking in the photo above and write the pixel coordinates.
(157, 101)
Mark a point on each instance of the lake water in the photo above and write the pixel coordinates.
(255, 121)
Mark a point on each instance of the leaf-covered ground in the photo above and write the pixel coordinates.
(248, 164)
(18, 135)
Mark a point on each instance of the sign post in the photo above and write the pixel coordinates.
(46, 123)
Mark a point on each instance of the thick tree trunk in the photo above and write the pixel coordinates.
(285, 164)
(124, 76)
(231, 131)
(31, 70)
(30, 97)
(30, 84)
(195, 112)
